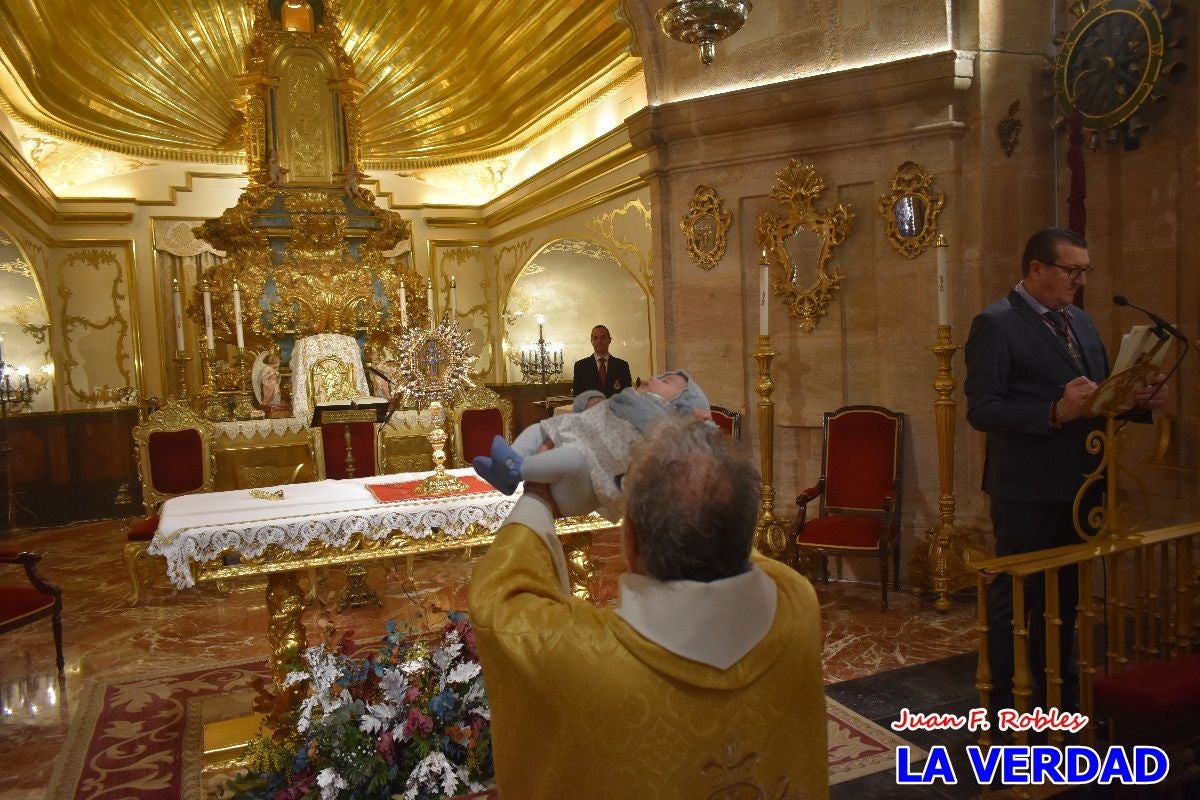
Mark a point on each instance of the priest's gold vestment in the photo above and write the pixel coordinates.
(583, 706)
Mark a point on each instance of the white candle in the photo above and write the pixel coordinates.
(763, 279)
(453, 299)
(1, 348)
(175, 298)
(403, 305)
(237, 315)
(429, 301)
(208, 328)
(943, 285)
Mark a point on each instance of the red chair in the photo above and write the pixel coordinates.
(859, 490)
(728, 421)
(478, 418)
(174, 457)
(21, 605)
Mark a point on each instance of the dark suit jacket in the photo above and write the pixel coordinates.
(1016, 368)
(587, 376)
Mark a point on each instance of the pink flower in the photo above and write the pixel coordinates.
(417, 723)
(386, 747)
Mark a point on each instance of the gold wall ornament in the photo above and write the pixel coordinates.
(797, 187)
(704, 227)
(94, 295)
(911, 210)
(1009, 129)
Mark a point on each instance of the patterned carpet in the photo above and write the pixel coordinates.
(142, 737)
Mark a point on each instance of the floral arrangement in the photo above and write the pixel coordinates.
(410, 721)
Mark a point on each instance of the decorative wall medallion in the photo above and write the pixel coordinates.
(797, 186)
(705, 227)
(1113, 63)
(1009, 129)
(910, 212)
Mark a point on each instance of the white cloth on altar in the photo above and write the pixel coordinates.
(202, 527)
(311, 349)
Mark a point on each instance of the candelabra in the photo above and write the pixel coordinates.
(210, 399)
(540, 363)
(771, 535)
(941, 566)
(18, 397)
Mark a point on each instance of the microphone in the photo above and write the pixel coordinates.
(376, 372)
(1159, 322)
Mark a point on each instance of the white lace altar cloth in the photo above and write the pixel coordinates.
(403, 419)
(201, 527)
(312, 349)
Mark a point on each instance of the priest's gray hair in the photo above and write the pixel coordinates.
(692, 502)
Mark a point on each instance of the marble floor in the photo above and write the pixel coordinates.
(104, 639)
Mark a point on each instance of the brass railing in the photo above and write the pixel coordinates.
(1135, 591)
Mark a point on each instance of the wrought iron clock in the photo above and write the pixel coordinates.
(1111, 63)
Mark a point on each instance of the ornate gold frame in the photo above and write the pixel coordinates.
(706, 204)
(797, 186)
(913, 183)
(480, 397)
(173, 416)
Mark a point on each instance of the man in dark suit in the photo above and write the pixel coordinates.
(1033, 361)
(601, 371)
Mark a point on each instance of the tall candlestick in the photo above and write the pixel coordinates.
(453, 299)
(943, 281)
(403, 305)
(208, 328)
(178, 314)
(429, 301)
(763, 279)
(237, 315)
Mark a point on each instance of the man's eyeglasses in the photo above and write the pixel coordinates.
(1074, 273)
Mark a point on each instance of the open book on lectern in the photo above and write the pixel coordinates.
(345, 412)
(1144, 344)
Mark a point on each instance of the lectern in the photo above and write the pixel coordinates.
(367, 409)
(1111, 399)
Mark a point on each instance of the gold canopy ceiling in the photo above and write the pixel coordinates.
(445, 81)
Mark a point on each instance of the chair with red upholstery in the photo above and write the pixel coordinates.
(859, 491)
(478, 418)
(728, 421)
(21, 605)
(174, 457)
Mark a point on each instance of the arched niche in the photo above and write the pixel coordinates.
(25, 326)
(575, 284)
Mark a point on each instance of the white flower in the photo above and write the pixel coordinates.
(395, 685)
(331, 783)
(445, 656)
(432, 770)
(463, 672)
(376, 718)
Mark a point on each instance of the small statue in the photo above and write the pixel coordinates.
(275, 171)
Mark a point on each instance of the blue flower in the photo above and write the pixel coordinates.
(442, 705)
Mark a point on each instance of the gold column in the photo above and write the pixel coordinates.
(771, 535)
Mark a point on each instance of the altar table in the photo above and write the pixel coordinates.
(220, 535)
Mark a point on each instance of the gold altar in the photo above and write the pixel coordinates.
(211, 537)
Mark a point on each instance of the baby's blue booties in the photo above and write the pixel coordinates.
(503, 469)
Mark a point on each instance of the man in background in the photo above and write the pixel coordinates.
(704, 682)
(601, 371)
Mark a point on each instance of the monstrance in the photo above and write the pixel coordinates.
(433, 371)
